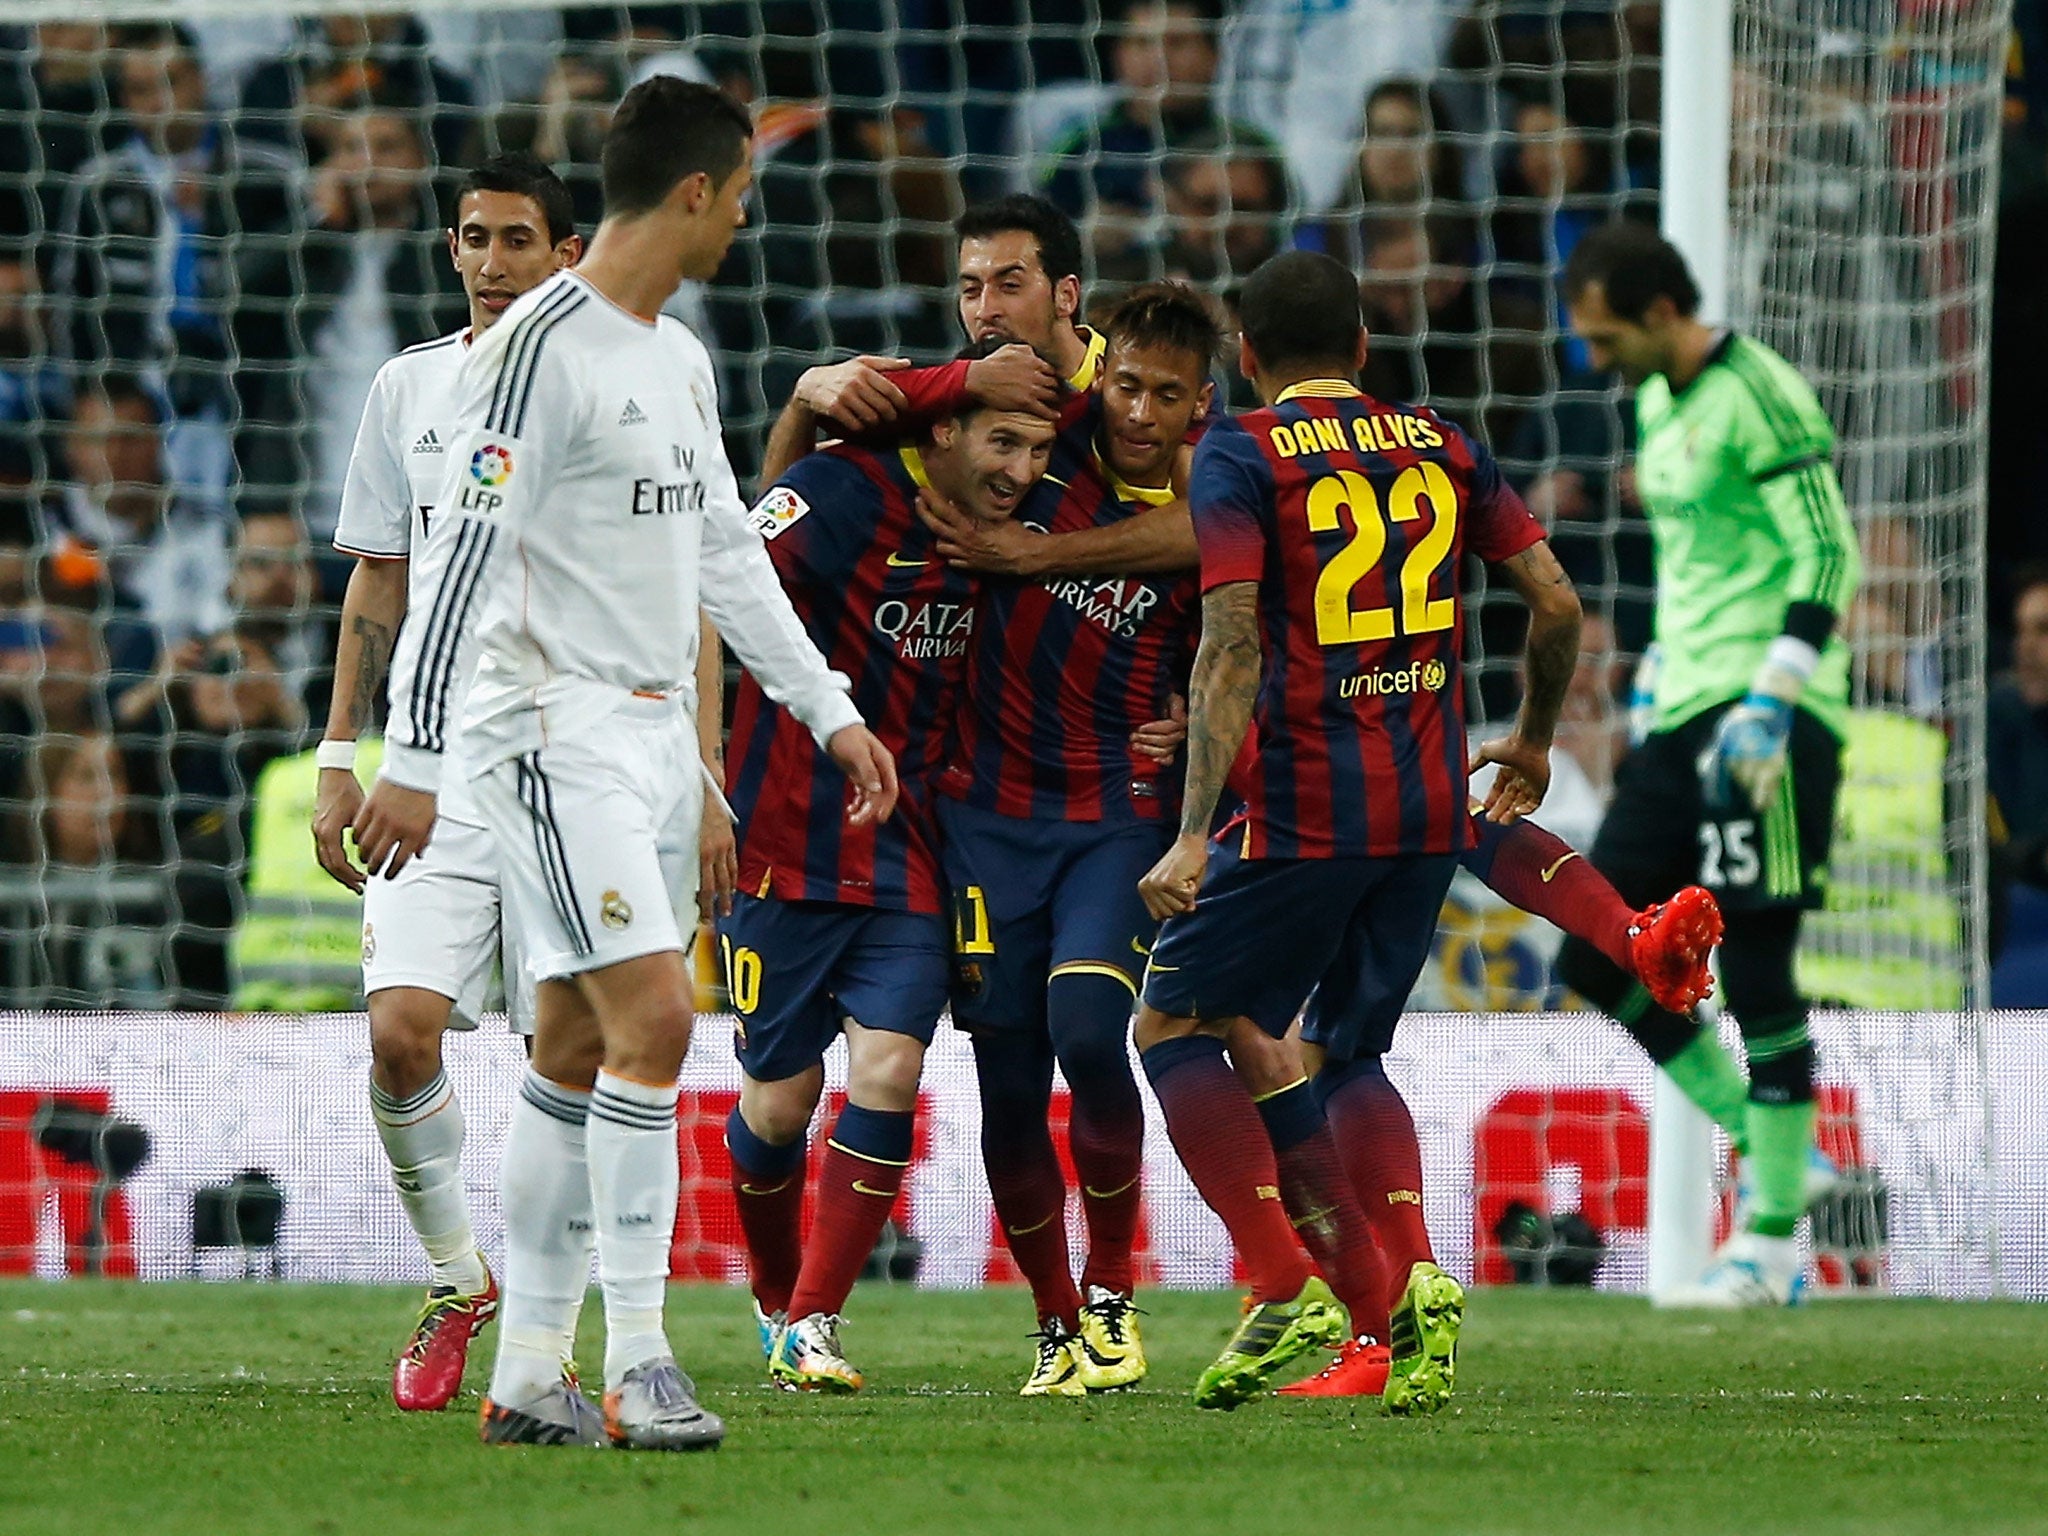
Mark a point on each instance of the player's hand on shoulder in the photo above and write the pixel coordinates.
(337, 803)
(870, 772)
(1005, 548)
(1522, 780)
(1015, 378)
(1169, 887)
(394, 827)
(718, 857)
(857, 394)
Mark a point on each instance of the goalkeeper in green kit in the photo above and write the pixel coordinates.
(1734, 785)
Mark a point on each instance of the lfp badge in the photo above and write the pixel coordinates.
(490, 465)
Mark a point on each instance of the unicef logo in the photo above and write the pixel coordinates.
(1433, 675)
(491, 465)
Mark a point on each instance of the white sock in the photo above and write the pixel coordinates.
(422, 1137)
(548, 1234)
(633, 1179)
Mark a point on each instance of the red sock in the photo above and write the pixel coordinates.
(1112, 1197)
(1543, 874)
(768, 1190)
(1327, 1215)
(1223, 1145)
(1089, 1021)
(865, 1161)
(1375, 1137)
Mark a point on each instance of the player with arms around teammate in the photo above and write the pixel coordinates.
(592, 504)
(1051, 813)
(843, 929)
(430, 937)
(1332, 532)
(1735, 785)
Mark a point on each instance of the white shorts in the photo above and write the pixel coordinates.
(597, 840)
(439, 926)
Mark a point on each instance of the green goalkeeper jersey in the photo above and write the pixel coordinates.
(1747, 515)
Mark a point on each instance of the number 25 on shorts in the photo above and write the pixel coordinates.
(1419, 485)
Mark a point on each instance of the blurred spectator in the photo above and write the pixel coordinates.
(339, 64)
(1440, 334)
(1163, 64)
(1226, 212)
(1559, 184)
(2016, 733)
(148, 242)
(1894, 621)
(372, 276)
(75, 809)
(1302, 69)
(1569, 459)
(31, 400)
(54, 116)
(853, 244)
(566, 127)
(164, 555)
(1408, 164)
(271, 594)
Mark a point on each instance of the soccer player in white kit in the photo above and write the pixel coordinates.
(588, 492)
(431, 937)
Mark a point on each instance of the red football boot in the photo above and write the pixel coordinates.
(1669, 943)
(429, 1372)
(1360, 1370)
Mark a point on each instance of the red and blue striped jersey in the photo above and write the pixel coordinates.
(1066, 668)
(863, 573)
(1353, 518)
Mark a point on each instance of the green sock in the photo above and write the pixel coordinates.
(1703, 1069)
(1780, 1146)
(1708, 1076)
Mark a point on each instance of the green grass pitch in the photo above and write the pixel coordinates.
(154, 1410)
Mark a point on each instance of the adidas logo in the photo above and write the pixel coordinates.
(428, 443)
(632, 415)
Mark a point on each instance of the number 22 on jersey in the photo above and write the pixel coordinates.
(1338, 620)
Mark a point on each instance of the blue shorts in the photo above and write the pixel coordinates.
(1034, 898)
(1345, 937)
(798, 969)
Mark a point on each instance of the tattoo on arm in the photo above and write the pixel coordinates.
(375, 660)
(1552, 653)
(1220, 698)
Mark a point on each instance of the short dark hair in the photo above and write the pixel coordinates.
(1302, 307)
(119, 386)
(665, 131)
(137, 36)
(1059, 243)
(2032, 574)
(1166, 314)
(523, 175)
(1634, 266)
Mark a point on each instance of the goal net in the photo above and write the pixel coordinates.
(209, 237)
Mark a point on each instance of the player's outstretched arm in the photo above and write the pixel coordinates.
(1220, 698)
(371, 611)
(1548, 661)
(854, 396)
(1161, 541)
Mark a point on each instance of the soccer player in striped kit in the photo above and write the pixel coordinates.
(591, 506)
(1332, 530)
(839, 929)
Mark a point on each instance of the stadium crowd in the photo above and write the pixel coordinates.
(213, 234)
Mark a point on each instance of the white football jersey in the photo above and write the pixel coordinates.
(586, 506)
(387, 499)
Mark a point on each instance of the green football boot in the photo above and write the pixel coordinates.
(1425, 1343)
(1272, 1333)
